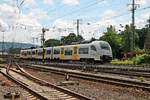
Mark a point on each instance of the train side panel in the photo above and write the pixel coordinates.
(48, 53)
(56, 53)
(96, 50)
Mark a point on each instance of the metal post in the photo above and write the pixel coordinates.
(77, 23)
(78, 27)
(147, 40)
(3, 45)
(133, 25)
(43, 42)
(134, 7)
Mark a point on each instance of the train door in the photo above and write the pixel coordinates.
(93, 53)
(36, 54)
(75, 55)
(52, 52)
(62, 53)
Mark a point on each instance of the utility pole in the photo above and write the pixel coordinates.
(42, 43)
(3, 45)
(33, 39)
(134, 7)
(147, 40)
(133, 24)
(78, 26)
(148, 25)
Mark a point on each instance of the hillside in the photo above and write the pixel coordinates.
(8, 45)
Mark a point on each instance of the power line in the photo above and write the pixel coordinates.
(120, 15)
(81, 8)
(145, 8)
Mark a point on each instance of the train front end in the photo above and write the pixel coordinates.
(105, 51)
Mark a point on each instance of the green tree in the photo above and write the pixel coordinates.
(52, 42)
(147, 41)
(127, 38)
(79, 38)
(142, 36)
(71, 38)
(113, 39)
(14, 50)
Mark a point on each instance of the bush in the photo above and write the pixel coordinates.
(139, 51)
(122, 62)
(141, 59)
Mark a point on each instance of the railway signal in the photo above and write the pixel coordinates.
(43, 42)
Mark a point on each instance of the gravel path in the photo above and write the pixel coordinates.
(95, 90)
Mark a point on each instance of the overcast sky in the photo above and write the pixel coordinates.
(24, 24)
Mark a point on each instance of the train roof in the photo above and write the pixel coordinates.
(82, 43)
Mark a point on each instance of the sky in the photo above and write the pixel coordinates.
(23, 21)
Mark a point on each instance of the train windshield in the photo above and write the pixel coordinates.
(104, 46)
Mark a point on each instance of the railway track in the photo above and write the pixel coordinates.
(38, 88)
(120, 70)
(90, 67)
(28, 94)
(96, 77)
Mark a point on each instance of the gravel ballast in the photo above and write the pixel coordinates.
(95, 90)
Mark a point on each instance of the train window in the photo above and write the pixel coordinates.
(56, 51)
(62, 50)
(83, 50)
(75, 50)
(22, 53)
(29, 53)
(93, 48)
(68, 52)
(25, 54)
(48, 51)
(33, 52)
(104, 46)
(40, 53)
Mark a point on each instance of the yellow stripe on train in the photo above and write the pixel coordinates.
(75, 55)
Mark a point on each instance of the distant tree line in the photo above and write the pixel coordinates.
(72, 37)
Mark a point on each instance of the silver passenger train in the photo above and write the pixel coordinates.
(97, 51)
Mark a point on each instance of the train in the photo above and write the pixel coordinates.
(95, 51)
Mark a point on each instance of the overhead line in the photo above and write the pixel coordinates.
(128, 12)
(89, 5)
(122, 14)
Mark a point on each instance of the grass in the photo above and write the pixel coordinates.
(122, 62)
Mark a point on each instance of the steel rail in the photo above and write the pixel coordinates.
(117, 81)
(69, 92)
(25, 86)
(137, 68)
(114, 70)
